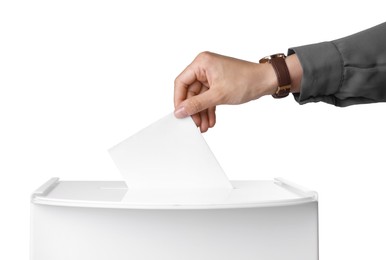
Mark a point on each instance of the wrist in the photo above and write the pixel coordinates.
(280, 67)
(268, 79)
(295, 71)
(286, 77)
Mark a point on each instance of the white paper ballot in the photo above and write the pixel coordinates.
(169, 154)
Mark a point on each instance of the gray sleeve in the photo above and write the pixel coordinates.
(344, 72)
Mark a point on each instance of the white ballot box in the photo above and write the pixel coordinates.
(104, 220)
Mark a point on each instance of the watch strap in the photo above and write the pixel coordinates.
(281, 70)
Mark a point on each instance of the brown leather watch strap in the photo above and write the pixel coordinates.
(283, 77)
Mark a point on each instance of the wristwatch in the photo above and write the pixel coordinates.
(282, 74)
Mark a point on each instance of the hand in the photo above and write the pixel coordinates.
(212, 79)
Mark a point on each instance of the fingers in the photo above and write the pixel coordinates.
(192, 97)
(196, 104)
(204, 124)
(193, 90)
(207, 119)
(204, 118)
(212, 116)
(182, 84)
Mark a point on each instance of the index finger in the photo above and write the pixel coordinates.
(182, 83)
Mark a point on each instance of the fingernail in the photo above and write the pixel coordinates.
(181, 112)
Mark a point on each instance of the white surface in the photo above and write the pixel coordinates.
(104, 194)
(270, 233)
(168, 154)
(79, 76)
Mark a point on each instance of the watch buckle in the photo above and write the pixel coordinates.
(283, 88)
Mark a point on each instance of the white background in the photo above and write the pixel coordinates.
(77, 77)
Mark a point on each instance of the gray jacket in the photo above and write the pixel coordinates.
(344, 72)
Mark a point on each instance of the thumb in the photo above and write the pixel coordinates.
(196, 104)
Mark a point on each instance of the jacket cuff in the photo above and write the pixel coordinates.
(322, 72)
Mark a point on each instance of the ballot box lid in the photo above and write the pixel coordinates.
(116, 194)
